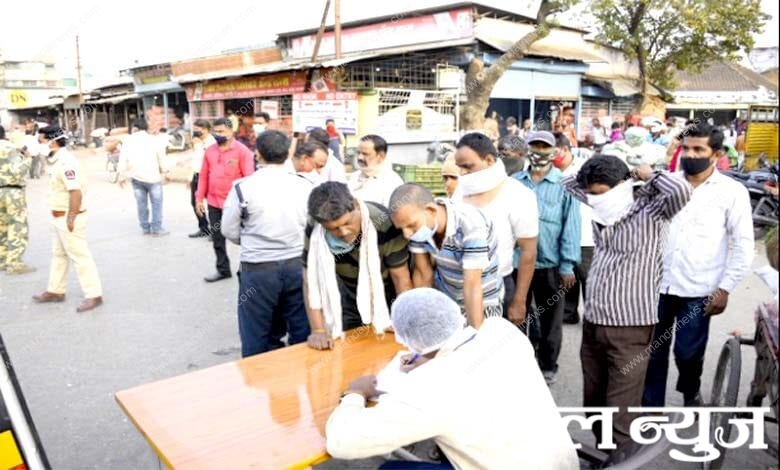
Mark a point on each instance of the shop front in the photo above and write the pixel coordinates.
(164, 101)
(38, 104)
(537, 91)
(246, 96)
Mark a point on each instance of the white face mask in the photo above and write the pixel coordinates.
(258, 128)
(611, 206)
(482, 181)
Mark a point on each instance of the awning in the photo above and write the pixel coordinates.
(620, 87)
(711, 107)
(559, 44)
(115, 99)
(326, 62)
(35, 103)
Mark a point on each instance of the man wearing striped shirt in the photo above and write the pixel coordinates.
(621, 304)
(558, 248)
(455, 250)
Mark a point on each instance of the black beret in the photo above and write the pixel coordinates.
(52, 132)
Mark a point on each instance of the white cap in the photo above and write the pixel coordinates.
(424, 319)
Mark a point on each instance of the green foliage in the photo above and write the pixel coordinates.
(678, 34)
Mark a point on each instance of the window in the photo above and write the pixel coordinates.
(30, 83)
(52, 83)
(408, 71)
(208, 110)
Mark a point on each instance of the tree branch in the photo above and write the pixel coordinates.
(516, 52)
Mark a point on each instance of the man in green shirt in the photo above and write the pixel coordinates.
(342, 219)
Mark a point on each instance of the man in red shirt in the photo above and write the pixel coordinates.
(223, 163)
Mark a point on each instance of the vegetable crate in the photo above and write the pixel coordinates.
(424, 175)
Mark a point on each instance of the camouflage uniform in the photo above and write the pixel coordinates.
(13, 208)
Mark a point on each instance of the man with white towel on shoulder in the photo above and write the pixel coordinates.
(356, 241)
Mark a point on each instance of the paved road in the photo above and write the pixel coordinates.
(160, 320)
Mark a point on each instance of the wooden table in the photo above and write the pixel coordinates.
(266, 411)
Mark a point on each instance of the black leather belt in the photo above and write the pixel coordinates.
(271, 265)
(12, 186)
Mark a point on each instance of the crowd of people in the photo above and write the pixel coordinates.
(526, 225)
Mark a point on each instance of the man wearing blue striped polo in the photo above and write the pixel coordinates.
(558, 248)
(455, 250)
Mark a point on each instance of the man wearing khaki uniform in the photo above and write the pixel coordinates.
(67, 184)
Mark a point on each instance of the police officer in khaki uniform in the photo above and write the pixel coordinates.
(69, 223)
(13, 207)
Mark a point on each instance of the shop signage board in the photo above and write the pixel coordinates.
(311, 110)
(248, 87)
(397, 31)
(18, 99)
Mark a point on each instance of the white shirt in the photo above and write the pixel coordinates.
(375, 188)
(277, 212)
(199, 151)
(141, 157)
(515, 214)
(482, 399)
(697, 260)
(35, 148)
(586, 212)
(334, 169)
(599, 135)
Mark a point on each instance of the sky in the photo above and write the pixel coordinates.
(151, 31)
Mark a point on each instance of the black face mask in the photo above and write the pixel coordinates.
(197, 134)
(694, 166)
(221, 139)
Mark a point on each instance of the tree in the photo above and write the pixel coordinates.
(480, 80)
(668, 35)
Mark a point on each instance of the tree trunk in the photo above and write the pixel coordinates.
(480, 81)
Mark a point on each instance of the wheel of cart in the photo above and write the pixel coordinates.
(765, 378)
(725, 389)
(629, 455)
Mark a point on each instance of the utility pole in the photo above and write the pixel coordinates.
(320, 32)
(81, 91)
(337, 28)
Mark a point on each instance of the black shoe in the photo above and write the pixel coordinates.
(198, 234)
(217, 277)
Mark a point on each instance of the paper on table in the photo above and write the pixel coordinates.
(391, 377)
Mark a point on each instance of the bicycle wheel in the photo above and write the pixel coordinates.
(725, 388)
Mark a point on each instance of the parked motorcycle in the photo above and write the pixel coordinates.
(177, 140)
(766, 209)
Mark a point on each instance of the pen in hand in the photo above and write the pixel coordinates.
(411, 360)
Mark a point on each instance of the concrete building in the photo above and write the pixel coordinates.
(29, 88)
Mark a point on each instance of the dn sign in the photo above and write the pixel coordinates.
(18, 98)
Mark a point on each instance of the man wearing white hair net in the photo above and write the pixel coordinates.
(451, 369)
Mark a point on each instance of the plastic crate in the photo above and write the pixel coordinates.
(424, 175)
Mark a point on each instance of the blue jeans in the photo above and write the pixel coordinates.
(144, 194)
(685, 318)
(270, 294)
